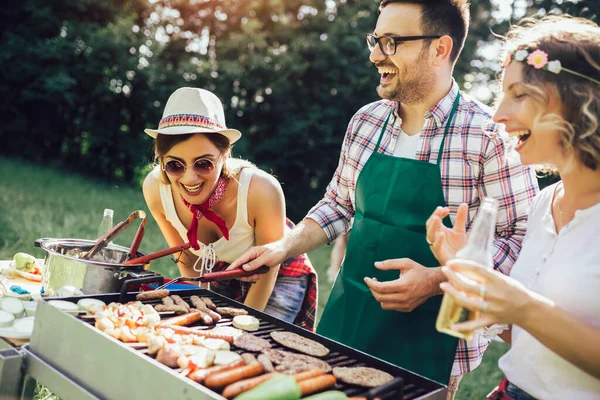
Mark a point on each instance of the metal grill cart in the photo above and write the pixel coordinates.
(76, 361)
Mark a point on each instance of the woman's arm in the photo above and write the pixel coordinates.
(266, 211)
(509, 302)
(153, 201)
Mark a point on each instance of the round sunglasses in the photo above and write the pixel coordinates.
(176, 169)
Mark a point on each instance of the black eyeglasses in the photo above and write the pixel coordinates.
(387, 44)
(176, 169)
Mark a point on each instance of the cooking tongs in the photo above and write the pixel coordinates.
(114, 232)
(218, 276)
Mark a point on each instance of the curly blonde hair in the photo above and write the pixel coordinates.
(575, 42)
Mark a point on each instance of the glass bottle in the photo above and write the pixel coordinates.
(106, 224)
(479, 248)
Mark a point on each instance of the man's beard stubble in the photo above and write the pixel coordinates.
(415, 87)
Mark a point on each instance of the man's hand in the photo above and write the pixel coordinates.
(445, 242)
(414, 286)
(270, 254)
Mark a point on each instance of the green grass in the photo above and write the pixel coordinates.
(38, 202)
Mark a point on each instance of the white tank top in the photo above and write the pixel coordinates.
(241, 234)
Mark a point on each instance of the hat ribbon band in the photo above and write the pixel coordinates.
(189, 120)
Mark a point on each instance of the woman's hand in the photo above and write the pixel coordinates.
(443, 241)
(500, 300)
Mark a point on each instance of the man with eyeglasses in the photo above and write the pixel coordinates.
(422, 146)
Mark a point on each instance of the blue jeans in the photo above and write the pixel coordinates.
(517, 394)
(287, 297)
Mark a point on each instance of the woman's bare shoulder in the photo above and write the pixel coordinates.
(263, 181)
(264, 190)
(151, 188)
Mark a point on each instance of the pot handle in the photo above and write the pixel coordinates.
(155, 278)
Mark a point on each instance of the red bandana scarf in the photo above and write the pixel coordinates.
(203, 210)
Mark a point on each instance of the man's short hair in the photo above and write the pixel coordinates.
(442, 17)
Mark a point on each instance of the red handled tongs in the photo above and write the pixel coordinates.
(114, 232)
(218, 276)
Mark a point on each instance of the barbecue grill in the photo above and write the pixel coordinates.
(77, 361)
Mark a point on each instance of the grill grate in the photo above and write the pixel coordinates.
(409, 387)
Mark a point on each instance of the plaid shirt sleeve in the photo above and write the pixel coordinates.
(514, 186)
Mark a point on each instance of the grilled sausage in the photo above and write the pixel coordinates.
(168, 356)
(209, 303)
(265, 362)
(172, 308)
(168, 301)
(221, 379)
(205, 318)
(182, 330)
(185, 319)
(317, 384)
(249, 358)
(179, 301)
(313, 373)
(201, 374)
(200, 305)
(236, 388)
(152, 295)
(231, 311)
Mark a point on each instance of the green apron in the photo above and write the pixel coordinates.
(394, 198)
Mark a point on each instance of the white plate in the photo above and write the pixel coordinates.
(12, 333)
(26, 275)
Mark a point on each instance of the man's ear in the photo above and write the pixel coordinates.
(441, 49)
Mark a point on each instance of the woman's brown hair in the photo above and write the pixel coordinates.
(575, 42)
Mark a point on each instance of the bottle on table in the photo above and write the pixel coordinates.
(106, 224)
(479, 248)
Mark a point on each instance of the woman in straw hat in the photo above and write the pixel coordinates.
(551, 104)
(222, 206)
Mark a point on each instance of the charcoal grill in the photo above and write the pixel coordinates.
(76, 361)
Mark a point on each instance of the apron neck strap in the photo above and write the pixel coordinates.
(383, 129)
(448, 123)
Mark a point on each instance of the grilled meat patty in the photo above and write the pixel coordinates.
(362, 376)
(303, 345)
(288, 361)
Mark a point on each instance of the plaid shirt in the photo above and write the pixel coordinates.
(476, 162)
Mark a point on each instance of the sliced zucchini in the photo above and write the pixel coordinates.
(66, 306)
(13, 306)
(6, 319)
(246, 322)
(24, 325)
(90, 305)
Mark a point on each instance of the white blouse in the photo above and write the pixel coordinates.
(565, 268)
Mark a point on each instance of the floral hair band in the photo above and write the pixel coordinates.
(538, 59)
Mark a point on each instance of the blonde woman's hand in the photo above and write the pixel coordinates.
(501, 300)
(443, 241)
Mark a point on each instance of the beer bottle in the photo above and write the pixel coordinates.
(479, 248)
(106, 224)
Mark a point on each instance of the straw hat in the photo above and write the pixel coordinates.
(192, 110)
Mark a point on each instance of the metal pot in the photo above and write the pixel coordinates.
(103, 273)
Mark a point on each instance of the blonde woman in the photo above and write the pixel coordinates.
(551, 105)
(222, 206)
